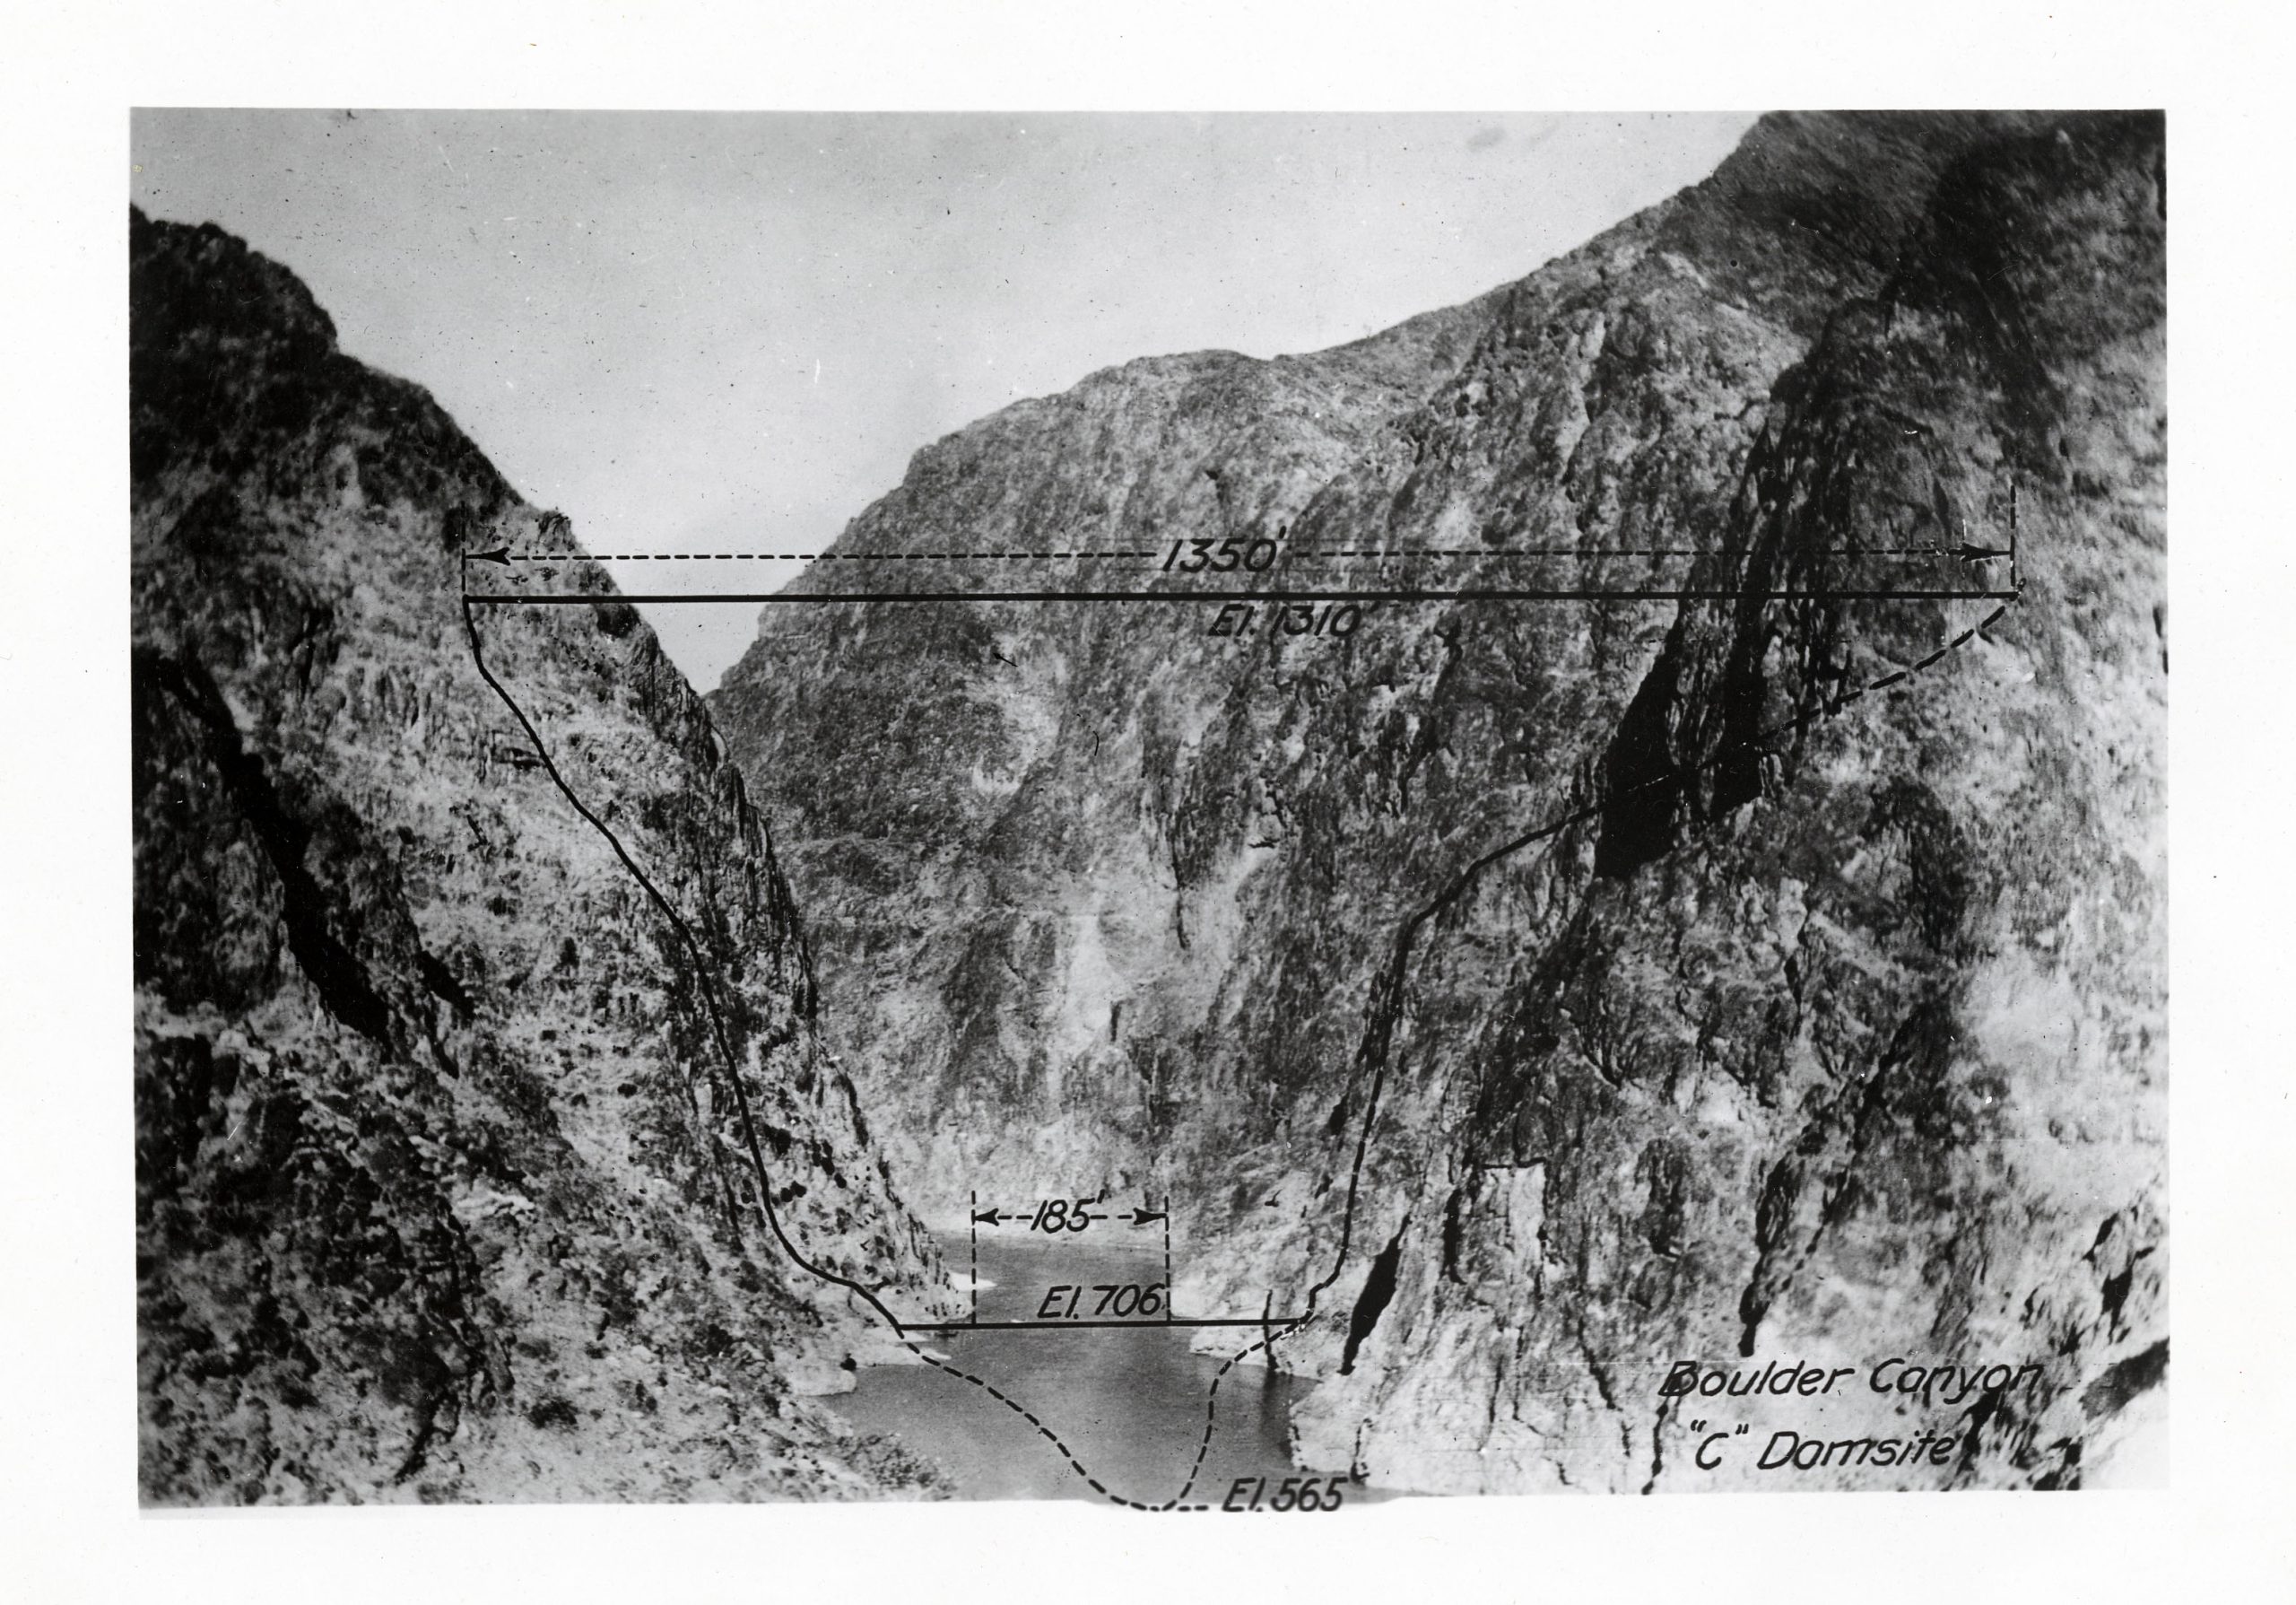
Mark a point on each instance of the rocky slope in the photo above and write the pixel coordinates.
(446, 1134)
(1734, 975)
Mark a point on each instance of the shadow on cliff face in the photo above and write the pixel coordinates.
(1744, 1040)
(2014, 356)
(435, 1189)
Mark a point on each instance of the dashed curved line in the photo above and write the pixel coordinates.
(1178, 1501)
(740, 1100)
(1823, 709)
(1459, 884)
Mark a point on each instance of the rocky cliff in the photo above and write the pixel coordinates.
(1546, 993)
(467, 1162)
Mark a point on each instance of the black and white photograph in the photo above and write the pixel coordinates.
(1168, 802)
(1564, 892)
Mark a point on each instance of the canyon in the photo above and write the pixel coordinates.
(1710, 909)
(1543, 995)
(444, 1130)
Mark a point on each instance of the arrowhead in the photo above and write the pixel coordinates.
(987, 1218)
(1970, 553)
(500, 555)
(1144, 1215)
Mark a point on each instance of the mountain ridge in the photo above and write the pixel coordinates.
(1693, 1076)
(441, 1185)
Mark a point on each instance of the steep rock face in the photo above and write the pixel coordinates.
(1740, 974)
(443, 1188)
(1047, 894)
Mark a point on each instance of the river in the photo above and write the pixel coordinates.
(1129, 1402)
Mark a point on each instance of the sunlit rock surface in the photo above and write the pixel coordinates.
(1829, 1030)
(439, 1189)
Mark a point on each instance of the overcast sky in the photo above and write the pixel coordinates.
(729, 332)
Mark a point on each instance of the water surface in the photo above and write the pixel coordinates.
(1129, 1402)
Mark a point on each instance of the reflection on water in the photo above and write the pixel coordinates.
(1129, 1403)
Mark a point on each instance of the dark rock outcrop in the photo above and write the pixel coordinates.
(1770, 972)
(440, 1192)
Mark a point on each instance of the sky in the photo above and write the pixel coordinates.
(730, 331)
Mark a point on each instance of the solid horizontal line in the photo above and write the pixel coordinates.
(1145, 1323)
(817, 599)
(804, 556)
(1330, 552)
(1547, 551)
